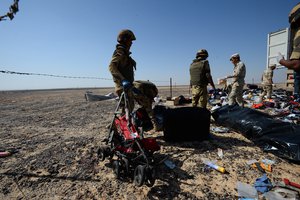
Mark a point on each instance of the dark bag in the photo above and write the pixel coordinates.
(186, 124)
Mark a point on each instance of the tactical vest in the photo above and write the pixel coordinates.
(198, 72)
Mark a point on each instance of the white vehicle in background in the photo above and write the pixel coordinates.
(279, 41)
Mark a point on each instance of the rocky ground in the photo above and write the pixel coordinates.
(55, 135)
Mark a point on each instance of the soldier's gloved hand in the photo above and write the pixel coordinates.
(136, 91)
(126, 84)
(279, 57)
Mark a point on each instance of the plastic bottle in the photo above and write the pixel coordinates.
(214, 166)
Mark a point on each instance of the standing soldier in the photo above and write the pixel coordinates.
(200, 76)
(144, 93)
(122, 66)
(239, 73)
(267, 82)
(294, 61)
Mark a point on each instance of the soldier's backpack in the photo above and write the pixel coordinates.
(147, 88)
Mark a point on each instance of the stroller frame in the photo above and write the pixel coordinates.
(126, 147)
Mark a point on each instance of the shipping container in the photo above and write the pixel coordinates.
(279, 41)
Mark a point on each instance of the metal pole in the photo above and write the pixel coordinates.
(171, 88)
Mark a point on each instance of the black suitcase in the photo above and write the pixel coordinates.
(186, 124)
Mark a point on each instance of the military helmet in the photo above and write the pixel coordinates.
(202, 53)
(125, 35)
(294, 14)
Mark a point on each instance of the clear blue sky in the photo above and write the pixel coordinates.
(77, 38)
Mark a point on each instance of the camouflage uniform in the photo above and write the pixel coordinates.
(267, 83)
(199, 70)
(296, 46)
(294, 20)
(122, 67)
(296, 56)
(145, 98)
(236, 94)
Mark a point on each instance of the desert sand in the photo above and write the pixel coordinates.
(55, 135)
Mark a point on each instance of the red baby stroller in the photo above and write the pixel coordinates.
(127, 149)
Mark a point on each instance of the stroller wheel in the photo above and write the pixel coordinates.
(101, 154)
(150, 176)
(116, 168)
(108, 152)
(126, 164)
(139, 175)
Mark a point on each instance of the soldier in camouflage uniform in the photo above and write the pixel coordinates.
(122, 66)
(200, 76)
(294, 61)
(267, 82)
(144, 96)
(239, 73)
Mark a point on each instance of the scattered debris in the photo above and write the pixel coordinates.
(288, 182)
(169, 164)
(89, 96)
(4, 154)
(212, 165)
(246, 191)
(263, 184)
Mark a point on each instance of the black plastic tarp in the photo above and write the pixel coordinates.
(280, 138)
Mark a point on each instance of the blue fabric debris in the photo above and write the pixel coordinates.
(263, 184)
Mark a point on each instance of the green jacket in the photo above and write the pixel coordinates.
(122, 66)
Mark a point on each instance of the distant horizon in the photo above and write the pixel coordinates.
(83, 88)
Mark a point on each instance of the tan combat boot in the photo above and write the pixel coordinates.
(155, 127)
